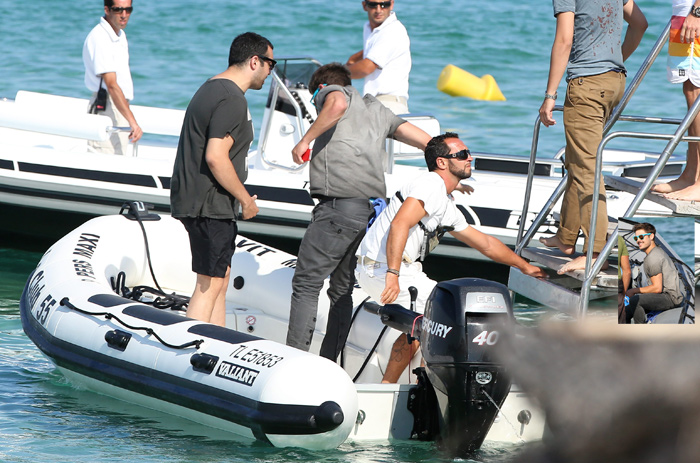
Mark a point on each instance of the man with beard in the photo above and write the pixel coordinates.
(389, 255)
(211, 165)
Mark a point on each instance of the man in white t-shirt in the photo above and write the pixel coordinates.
(106, 60)
(388, 257)
(385, 60)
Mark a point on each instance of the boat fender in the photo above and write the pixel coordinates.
(204, 363)
(328, 416)
(117, 339)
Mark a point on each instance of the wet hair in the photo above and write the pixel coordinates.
(331, 74)
(245, 46)
(436, 148)
(646, 226)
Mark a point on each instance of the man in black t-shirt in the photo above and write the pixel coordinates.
(210, 168)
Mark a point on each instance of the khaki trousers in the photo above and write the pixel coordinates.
(118, 142)
(589, 103)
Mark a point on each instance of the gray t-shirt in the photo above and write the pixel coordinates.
(348, 159)
(218, 108)
(657, 261)
(597, 45)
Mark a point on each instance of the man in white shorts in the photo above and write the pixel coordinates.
(683, 66)
(385, 60)
(388, 257)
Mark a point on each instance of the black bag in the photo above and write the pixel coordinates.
(100, 101)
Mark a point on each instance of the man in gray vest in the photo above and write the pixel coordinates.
(346, 170)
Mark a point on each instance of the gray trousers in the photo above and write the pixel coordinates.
(641, 304)
(328, 248)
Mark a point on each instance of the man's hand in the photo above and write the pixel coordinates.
(534, 271)
(391, 289)
(632, 291)
(690, 29)
(546, 115)
(136, 132)
(249, 209)
(462, 188)
(299, 150)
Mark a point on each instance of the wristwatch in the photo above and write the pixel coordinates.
(695, 11)
(548, 96)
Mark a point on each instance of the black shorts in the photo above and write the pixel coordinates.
(212, 242)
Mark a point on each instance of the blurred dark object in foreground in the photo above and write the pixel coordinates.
(610, 394)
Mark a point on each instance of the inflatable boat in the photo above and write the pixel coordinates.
(105, 305)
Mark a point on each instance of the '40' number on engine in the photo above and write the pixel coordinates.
(42, 312)
(486, 337)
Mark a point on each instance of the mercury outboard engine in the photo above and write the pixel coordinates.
(463, 321)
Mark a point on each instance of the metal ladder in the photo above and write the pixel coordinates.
(571, 293)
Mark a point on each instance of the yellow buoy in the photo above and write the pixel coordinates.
(458, 82)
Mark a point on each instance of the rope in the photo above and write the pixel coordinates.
(109, 316)
(162, 301)
(503, 415)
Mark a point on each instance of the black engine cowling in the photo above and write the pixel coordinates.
(462, 323)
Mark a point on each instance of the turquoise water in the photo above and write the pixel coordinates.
(175, 46)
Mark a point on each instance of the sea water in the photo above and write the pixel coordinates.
(177, 45)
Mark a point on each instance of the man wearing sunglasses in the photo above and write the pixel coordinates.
(385, 60)
(106, 60)
(211, 165)
(388, 257)
(664, 292)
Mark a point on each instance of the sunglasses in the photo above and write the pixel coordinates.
(313, 97)
(269, 61)
(461, 155)
(373, 5)
(639, 237)
(119, 9)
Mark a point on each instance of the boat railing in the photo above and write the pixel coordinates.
(593, 268)
(279, 84)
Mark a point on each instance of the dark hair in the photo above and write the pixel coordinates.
(646, 226)
(110, 3)
(331, 74)
(245, 46)
(437, 147)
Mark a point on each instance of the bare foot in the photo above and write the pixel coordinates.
(674, 185)
(555, 242)
(579, 263)
(691, 193)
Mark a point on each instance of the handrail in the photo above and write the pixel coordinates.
(592, 269)
(616, 115)
(300, 121)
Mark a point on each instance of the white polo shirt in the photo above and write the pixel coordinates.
(439, 207)
(105, 51)
(389, 47)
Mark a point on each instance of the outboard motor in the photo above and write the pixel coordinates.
(463, 320)
(462, 384)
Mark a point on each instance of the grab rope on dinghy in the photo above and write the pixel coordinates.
(109, 316)
(161, 301)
